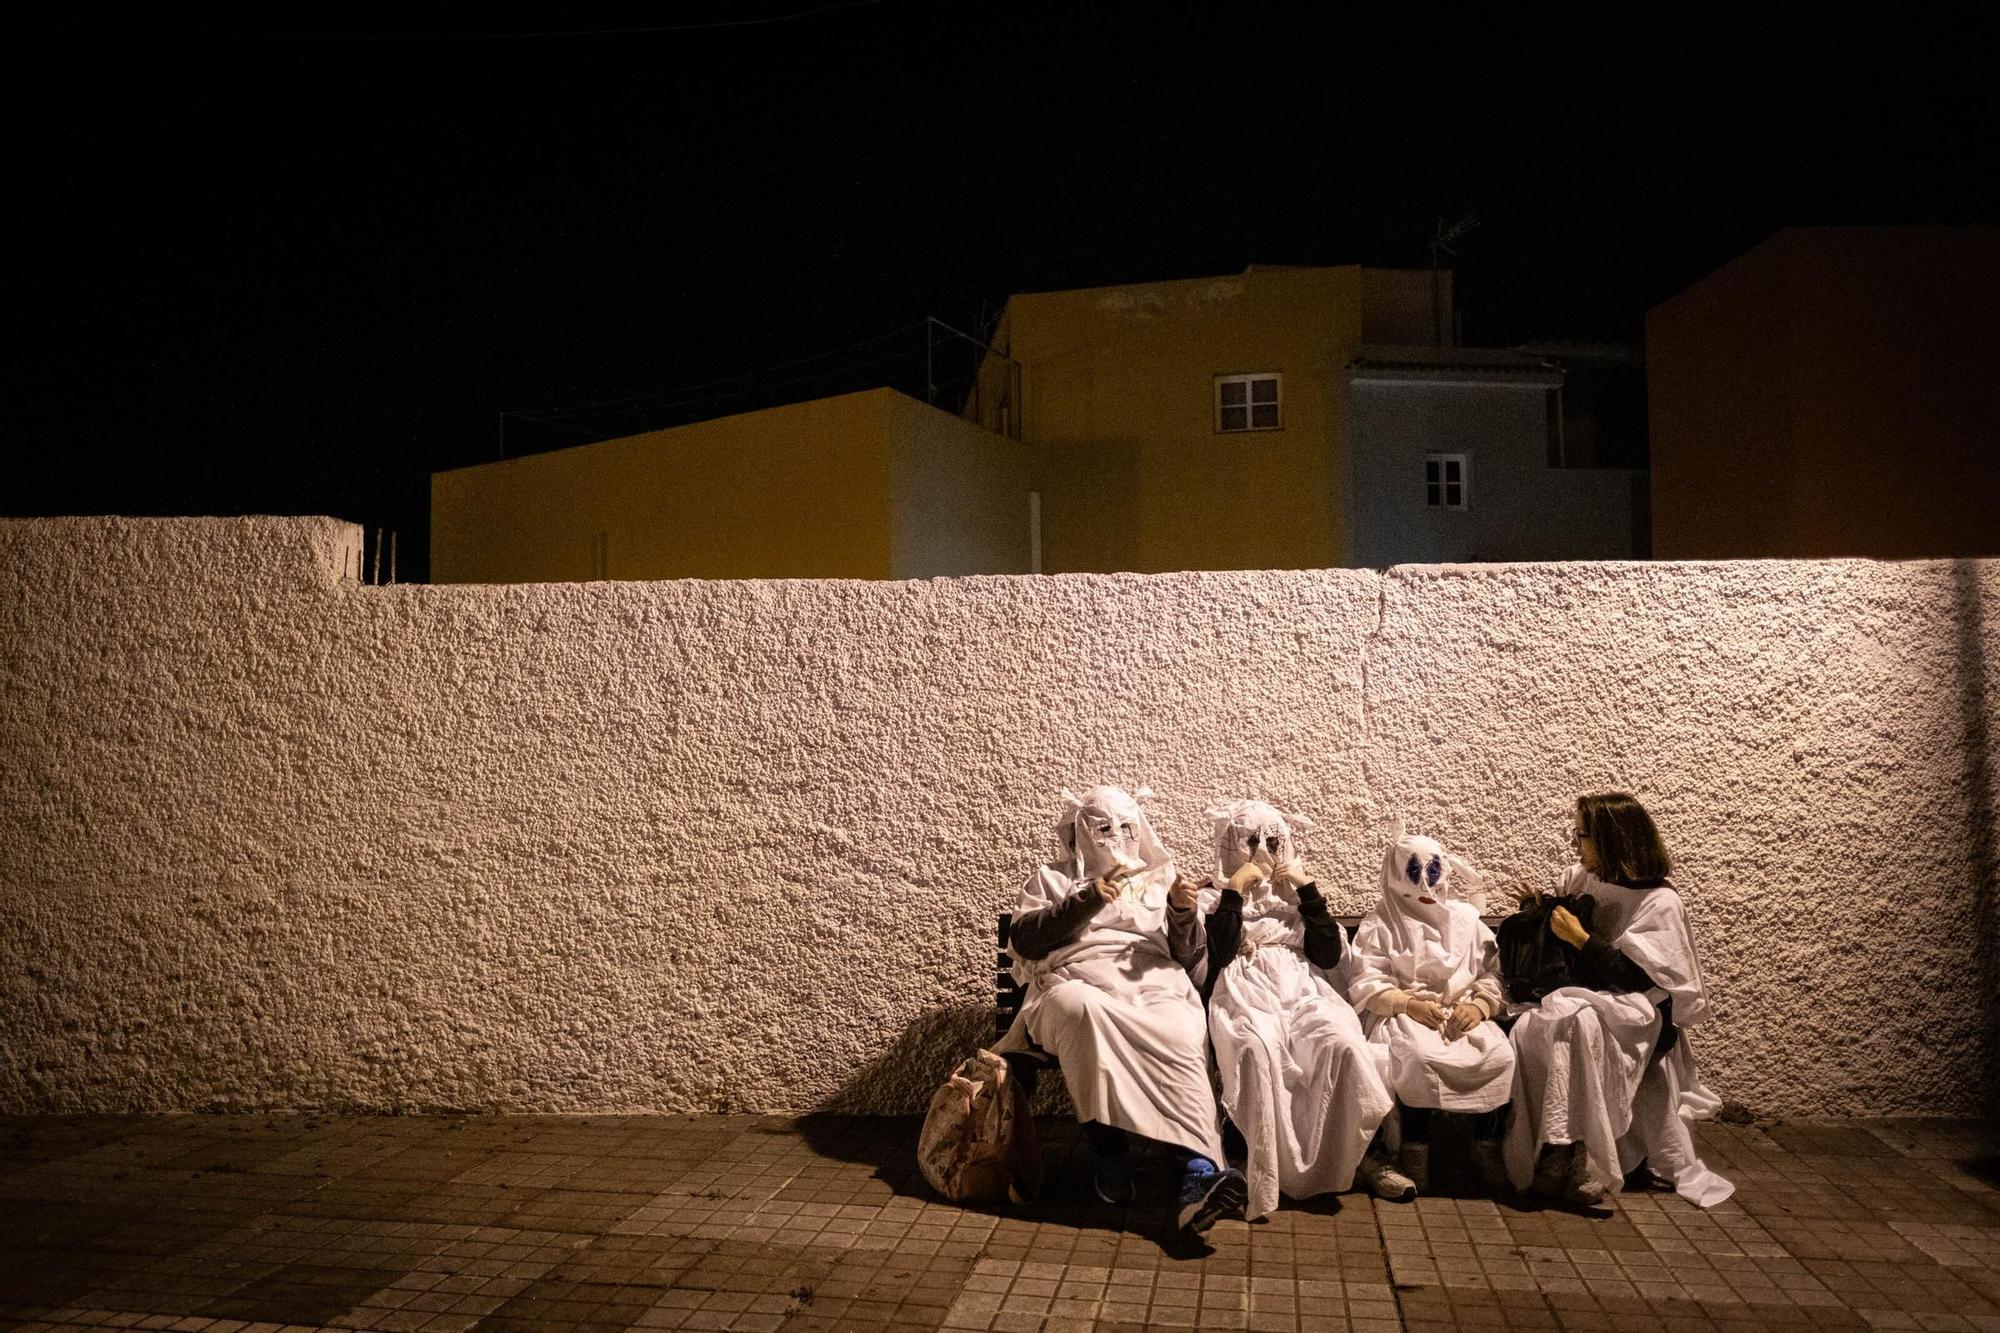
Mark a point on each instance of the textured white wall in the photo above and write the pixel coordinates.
(274, 838)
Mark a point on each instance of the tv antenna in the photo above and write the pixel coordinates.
(1442, 238)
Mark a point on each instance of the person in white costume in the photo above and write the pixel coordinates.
(1425, 976)
(1606, 1082)
(1298, 1079)
(1109, 945)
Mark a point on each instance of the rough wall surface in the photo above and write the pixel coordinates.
(277, 839)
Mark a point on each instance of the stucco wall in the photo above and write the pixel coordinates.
(273, 838)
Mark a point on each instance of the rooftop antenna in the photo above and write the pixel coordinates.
(1441, 239)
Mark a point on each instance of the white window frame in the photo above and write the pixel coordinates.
(1250, 403)
(1443, 482)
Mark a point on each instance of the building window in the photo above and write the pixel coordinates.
(1447, 481)
(1246, 402)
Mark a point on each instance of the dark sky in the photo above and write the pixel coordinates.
(299, 273)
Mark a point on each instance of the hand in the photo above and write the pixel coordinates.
(1467, 1016)
(1183, 895)
(1290, 875)
(1521, 892)
(1247, 877)
(1567, 928)
(1428, 1012)
(1109, 887)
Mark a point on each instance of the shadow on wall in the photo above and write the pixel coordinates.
(876, 1115)
(900, 1078)
(1976, 710)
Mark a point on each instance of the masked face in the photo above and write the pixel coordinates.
(1263, 845)
(1108, 840)
(1418, 872)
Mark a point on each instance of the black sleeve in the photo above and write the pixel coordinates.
(1601, 966)
(1225, 936)
(1185, 938)
(1324, 937)
(1039, 934)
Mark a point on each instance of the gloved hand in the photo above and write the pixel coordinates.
(1428, 1012)
(1465, 1016)
(1109, 887)
(1291, 875)
(1567, 928)
(1183, 895)
(1247, 877)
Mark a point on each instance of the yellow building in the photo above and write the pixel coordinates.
(1199, 424)
(868, 485)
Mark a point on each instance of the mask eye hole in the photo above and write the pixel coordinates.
(1434, 870)
(1414, 871)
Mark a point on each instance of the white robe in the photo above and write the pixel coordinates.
(1584, 1067)
(1449, 961)
(1298, 1077)
(1122, 1017)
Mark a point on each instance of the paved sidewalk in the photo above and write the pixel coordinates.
(511, 1223)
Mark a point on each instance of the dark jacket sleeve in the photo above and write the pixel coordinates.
(1186, 939)
(1601, 966)
(1039, 934)
(1225, 937)
(1324, 937)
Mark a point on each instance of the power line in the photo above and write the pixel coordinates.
(433, 35)
(693, 390)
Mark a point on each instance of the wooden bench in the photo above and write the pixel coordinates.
(1009, 996)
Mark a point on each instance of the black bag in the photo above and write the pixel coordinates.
(1534, 960)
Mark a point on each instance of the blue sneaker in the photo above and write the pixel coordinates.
(1113, 1179)
(1208, 1194)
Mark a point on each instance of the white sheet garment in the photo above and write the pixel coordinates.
(1422, 940)
(1298, 1078)
(1122, 1017)
(1585, 1073)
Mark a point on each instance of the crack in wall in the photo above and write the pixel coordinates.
(1370, 795)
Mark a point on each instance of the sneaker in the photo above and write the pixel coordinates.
(1491, 1164)
(1207, 1196)
(1415, 1159)
(1113, 1179)
(1552, 1168)
(1385, 1181)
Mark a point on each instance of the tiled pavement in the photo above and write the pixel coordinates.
(453, 1223)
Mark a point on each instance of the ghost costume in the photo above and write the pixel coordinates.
(1428, 945)
(1107, 996)
(1298, 1078)
(1585, 1072)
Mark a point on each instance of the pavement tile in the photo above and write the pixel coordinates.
(455, 1223)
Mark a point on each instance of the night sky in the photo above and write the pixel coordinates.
(299, 273)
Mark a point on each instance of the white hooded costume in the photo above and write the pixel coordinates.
(1123, 1018)
(1585, 1072)
(1298, 1078)
(1423, 941)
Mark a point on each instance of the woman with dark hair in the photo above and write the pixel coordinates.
(1603, 1079)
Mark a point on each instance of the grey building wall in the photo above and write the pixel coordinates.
(1520, 508)
(960, 495)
